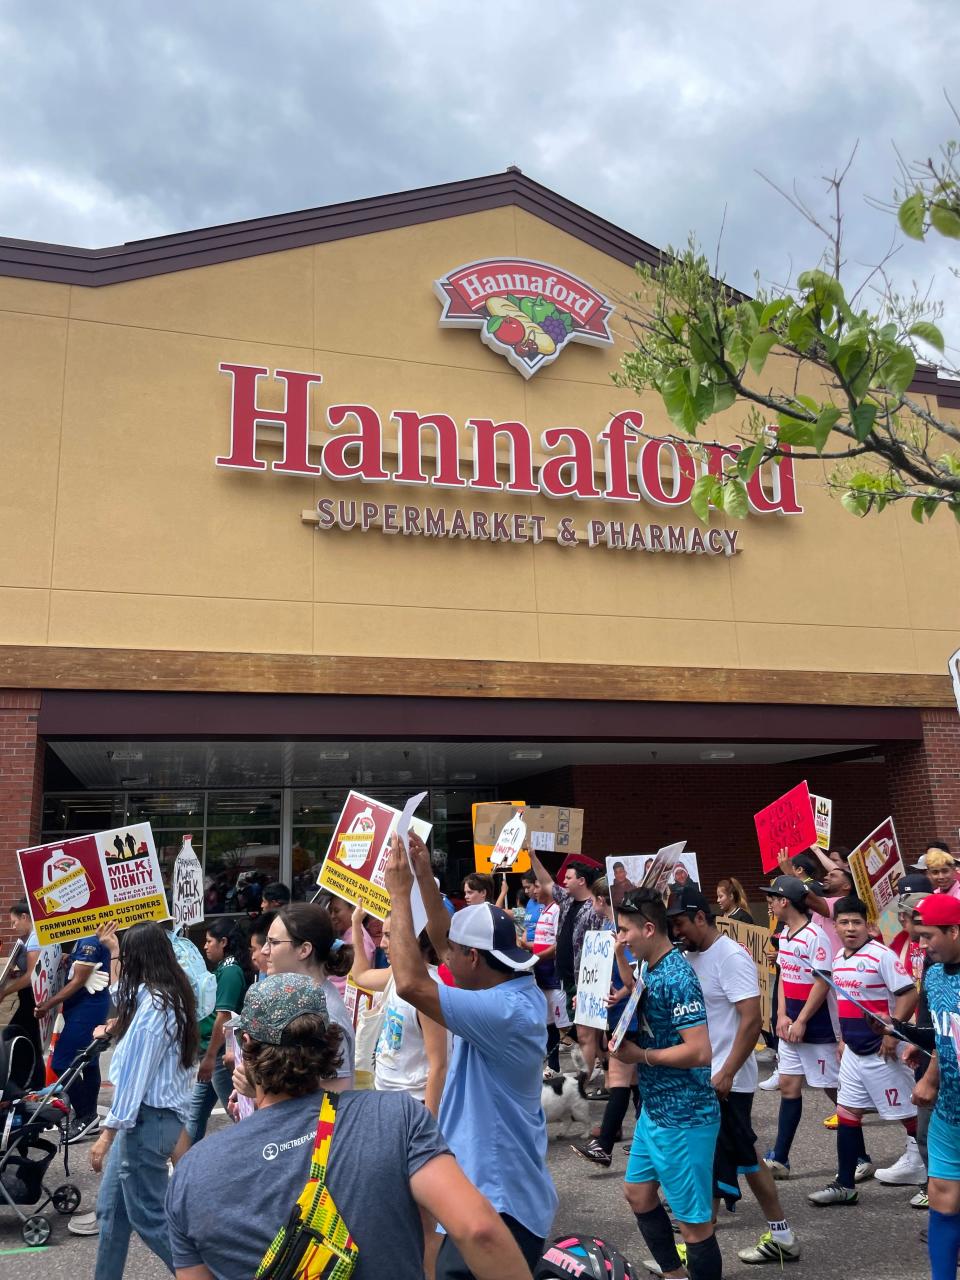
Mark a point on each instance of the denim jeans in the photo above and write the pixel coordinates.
(205, 1098)
(133, 1190)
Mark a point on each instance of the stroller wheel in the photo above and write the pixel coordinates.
(66, 1198)
(36, 1230)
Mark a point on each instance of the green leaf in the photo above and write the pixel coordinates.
(735, 501)
(676, 323)
(704, 492)
(678, 400)
(760, 349)
(773, 309)
(750, 459)
(567, 319)
(896, 372)
(801, 331)
(862, 419)
(827, 420)
(858, 504)
(494, 323)
(749, 319)
(916, 510)
(723, 396)
(910, 216)
(795, 433)
(928, 333)
(512, 297)
(737, 349)
(703, 401)
(945, 220)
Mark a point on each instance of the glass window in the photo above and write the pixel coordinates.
(243, 809)
(237, 867)
(181, 809)
(81, 813)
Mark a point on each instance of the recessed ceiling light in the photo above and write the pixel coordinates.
(526, 755)
(334, 755)
(717, 755)
(463, 777)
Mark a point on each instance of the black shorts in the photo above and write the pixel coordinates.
(736, 1151)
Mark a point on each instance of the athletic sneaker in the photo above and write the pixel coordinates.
(779, 1168)
(831, 1122)
(771, 1082)
(769, 1250)
(79, 1129)
(654, 1267)
(833, 1194)
(591, 1150)
(909, 1170)
(921, 1200)
(84, 1224)
(865, 1169)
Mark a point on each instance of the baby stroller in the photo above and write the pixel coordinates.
(25, 1154)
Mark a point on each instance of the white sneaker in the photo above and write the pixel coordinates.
(771, 1082)
(909, 1170)
(84, 1224)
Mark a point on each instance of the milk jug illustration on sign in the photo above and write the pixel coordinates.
(357, 841)
(65, 883)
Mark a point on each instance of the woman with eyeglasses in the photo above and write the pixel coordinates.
(301, 940)
(152, 1071)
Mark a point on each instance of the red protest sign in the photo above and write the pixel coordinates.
(788, 824)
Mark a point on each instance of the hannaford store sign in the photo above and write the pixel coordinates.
(664, 471)
(526, 311)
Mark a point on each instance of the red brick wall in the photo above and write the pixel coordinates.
(21, 788)
(924, 784)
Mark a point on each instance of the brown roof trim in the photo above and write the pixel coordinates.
(206, 246)
(65, 264)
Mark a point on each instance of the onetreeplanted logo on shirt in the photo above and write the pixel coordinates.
(526, 311)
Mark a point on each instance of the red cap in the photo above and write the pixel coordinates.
(939, 910)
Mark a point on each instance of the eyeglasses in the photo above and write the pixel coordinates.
(269, 943)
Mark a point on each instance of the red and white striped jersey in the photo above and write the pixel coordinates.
(798, 957)
(874, 977)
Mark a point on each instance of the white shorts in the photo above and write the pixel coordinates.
(556, 1008)
(878, 1084)
(818, 1062)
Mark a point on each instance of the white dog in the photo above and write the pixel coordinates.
(564, 1103)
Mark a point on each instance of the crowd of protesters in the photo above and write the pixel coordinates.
(421, 1118)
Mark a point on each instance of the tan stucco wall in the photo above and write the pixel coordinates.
(118, 530)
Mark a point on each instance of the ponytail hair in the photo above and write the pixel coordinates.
(309, 922)
(735, 889)
(238, 945)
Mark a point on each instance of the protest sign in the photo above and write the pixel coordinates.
(404, 822)
(489, 819)
(357, 1000)
(553, 829)
(876, 867)
(754, 939)
(187, 887)
(660, 868)
(822, 813)
(75, 885)
(595, 977)
(357, 854)
(509, 843)
(49, 975)
(953, 665)
(627, 872)
(786, 824)
(629, 1009)
(19, 949)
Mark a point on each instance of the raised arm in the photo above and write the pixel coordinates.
(369, 979)
(544, 878)
(438, 918)
(410, 974)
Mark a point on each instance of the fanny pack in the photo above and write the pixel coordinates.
(315, 1243)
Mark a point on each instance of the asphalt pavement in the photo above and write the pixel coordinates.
(878, 1238)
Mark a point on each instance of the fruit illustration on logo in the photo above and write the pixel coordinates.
(533, 327)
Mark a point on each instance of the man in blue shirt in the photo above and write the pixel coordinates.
(676, 1134)
(490, 1112)
(533, 908)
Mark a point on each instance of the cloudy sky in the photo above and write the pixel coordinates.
(121, 119)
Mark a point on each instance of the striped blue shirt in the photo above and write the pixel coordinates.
(146, 1067)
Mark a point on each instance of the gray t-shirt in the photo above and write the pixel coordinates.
(232, 1192)
(340, 1015)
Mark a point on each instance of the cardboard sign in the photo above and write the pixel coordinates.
(74, 885)
(754, 939)
(187, 887)
(553, 830)
(509, 843)
(357, 1000)
(629, 1009)
(659, 871)
(489, 819)
(594, 978)
(786, 824)
(822, 814)
(876, 867)
(627, 871)
(48, 978)
(19, 949)
(357, 855)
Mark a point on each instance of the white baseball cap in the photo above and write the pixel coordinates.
(487, 928)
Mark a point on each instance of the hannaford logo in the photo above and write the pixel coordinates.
(526, 311)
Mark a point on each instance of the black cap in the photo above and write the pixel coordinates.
(688, 901)
(788, 887)
(915, 883)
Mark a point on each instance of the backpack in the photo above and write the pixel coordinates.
(204, 983)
